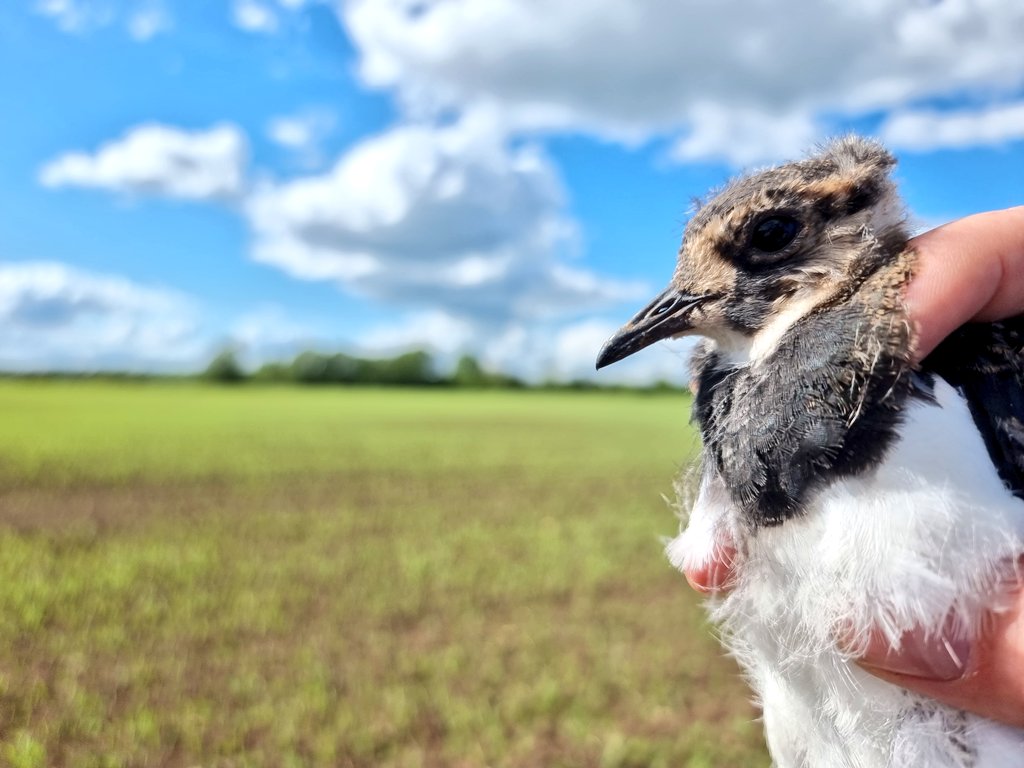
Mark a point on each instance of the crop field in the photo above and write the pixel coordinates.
(273, 576)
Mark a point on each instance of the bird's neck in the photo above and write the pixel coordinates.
(738, 349)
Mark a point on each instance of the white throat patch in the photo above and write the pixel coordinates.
(740, 350)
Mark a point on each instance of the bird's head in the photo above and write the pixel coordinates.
(773, 246)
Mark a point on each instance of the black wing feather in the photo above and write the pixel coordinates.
(985, 363)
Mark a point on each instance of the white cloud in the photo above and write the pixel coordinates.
(706, 74)
(744, 138)
(435, 330)
(254, 16)
(148, 22)
(76, 16)
(57, 317)
(270, 334)
(262, 16)
(159, 160)
(293, 132)
(303, 134)
(143, 19)
(924, 130)
(434, 216)
(270, 327)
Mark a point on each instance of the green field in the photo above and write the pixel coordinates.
(200, 576)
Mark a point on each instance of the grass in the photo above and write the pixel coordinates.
(193, 575)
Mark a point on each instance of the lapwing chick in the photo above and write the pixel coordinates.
(862, 492)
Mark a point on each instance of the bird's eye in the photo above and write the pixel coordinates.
(775, 233)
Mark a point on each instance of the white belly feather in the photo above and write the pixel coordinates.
(927, 535)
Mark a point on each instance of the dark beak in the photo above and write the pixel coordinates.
(668, 315)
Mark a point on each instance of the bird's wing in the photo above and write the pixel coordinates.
(985, 363)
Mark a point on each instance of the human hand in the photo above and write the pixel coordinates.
(969, 270)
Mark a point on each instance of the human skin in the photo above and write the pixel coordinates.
(969, 270)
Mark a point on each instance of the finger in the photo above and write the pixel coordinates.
(971, 269)
(986, 678)
(928, 656)
(714, 575)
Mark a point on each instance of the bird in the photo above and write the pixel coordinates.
(863, 492)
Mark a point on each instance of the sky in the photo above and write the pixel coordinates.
(505, 178)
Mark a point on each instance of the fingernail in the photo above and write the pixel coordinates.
(928, 657)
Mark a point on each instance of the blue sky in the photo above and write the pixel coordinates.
(508, 178)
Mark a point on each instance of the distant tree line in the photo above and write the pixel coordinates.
(412, 369)
(415, 369)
